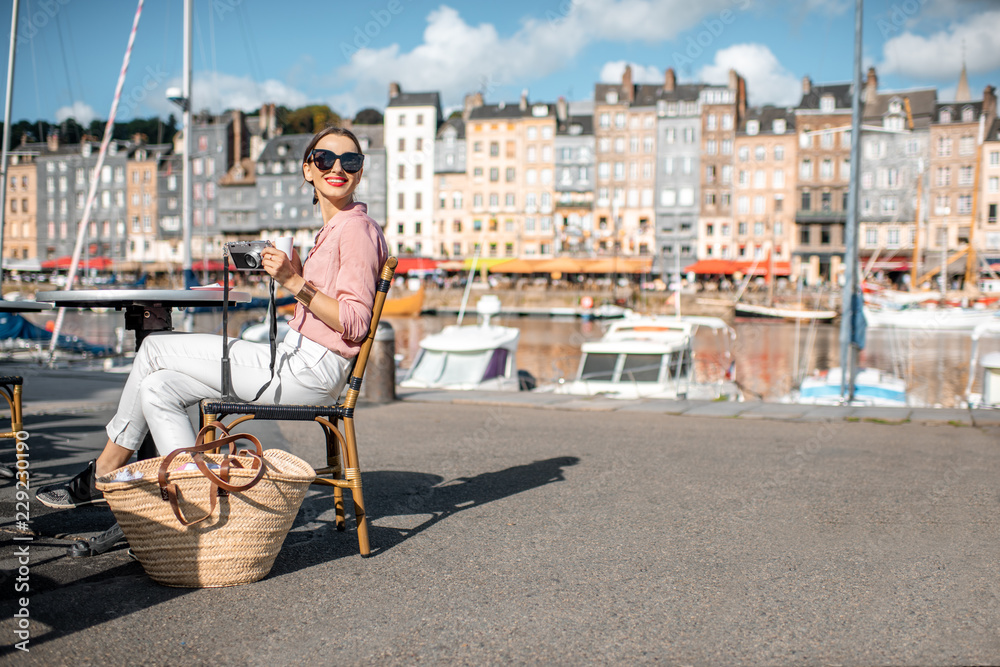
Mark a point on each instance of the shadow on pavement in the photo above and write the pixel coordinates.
(394, 493)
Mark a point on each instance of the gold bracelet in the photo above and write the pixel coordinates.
(305, 294)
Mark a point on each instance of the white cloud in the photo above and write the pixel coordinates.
(613, 70)
(81, 112)
(456, 58)
(938, 55)
(218, 92)
(768, 82)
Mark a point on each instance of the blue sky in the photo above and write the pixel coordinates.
(345, 54)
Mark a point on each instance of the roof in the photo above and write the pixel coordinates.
(646, 94)
(956, 108)
(415, 100)
(502, 110)
(922, 105)
(294, 145)
(458, 123)
(993, 134)
(586, 124)
(841, 94)
(687, 92)
(767, 115)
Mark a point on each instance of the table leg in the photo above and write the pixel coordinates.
(143, 320)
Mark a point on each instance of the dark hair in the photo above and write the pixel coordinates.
(325, 132)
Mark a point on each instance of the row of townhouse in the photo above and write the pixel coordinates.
(675, 172)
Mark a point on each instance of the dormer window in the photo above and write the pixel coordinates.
(968, 115)
(611, 97)
(540, 110)
(895, 107)
(753, 127)
(827, 103)
(575, 129)
(778, 126)
(282, 150)
(945, 116)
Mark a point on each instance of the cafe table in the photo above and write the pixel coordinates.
(146, 311)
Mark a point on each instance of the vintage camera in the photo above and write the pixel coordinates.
(246, 254)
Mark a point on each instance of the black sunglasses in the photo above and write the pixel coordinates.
(324, 160)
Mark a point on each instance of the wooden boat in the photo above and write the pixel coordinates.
(410, 305)
(784, 313)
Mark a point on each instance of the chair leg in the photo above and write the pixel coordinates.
(360, 517)
(333, 461)
(352, 473)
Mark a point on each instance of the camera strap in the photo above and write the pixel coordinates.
(272, 312)
(272, 334)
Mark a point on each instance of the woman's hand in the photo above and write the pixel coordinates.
(281, 268)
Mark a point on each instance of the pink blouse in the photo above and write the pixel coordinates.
(344, 263)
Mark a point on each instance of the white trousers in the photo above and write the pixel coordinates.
(173, 371)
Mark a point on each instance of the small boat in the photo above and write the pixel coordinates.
(657, 356)
(989, 396)
(872, 387)
(260, 332)
(791, 312)
(928, 319)
(481, 356)
(410, 305)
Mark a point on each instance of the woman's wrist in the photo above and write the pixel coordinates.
(306, 293)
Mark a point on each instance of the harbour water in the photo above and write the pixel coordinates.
(769, 356)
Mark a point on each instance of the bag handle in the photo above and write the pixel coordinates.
(219, 485)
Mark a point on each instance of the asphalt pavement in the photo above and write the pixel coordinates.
(534, 530)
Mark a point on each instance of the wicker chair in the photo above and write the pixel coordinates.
(342, 470)
(10, 389)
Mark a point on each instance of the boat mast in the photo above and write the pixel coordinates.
(6, 130)
(850, 341)
(186, 167)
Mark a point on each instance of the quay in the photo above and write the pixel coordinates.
(545, 529)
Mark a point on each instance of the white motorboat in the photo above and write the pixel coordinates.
(658, 357)
(792, 312)
(872, 387)
(989, 396)
(481, 356)
(928, 319)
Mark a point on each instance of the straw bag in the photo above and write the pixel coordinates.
(197, 520)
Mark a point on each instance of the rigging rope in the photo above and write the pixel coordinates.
(95, 178)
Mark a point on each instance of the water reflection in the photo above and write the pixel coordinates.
(771, 357)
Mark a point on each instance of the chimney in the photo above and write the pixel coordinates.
(670, 81)
(807, 85)
(272, 121)
(237, 136)
(871, 86)
(138, 139)
(53, 140)
(523, 104)
(393, 90)
(472, 101)
(562, 110)
(24, 139)
(989, 104)
(628, 90)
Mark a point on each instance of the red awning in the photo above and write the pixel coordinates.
(99, 263)
(712, 267)
(422, 264)
(208, 265)
(887, 264)
(727, 267)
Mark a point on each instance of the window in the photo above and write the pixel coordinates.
(494, 174)
(806, 170)
(825, 235)
(827, 103)
(401, 201)
(418, 171)
(888, 205)
(944, 147)
(871, 237)
(418, 201)
(892, 238)
(743, 204)
(753, 127)
(806, 201)
(778, 178)
(826, 169)
(711, 122)
(760, 179)
(966, 145)
(402, 144)
(743, 154)
(944, 176)
(759, 205)
(965, 175)
(964, 204)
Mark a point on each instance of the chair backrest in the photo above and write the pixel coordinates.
(381, 289)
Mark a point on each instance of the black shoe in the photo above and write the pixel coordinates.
(79, 491)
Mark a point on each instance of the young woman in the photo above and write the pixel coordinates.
(335, 289)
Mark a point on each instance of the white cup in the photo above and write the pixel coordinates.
(284, 244)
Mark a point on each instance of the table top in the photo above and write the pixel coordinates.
(120, 298)
(23, 306)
